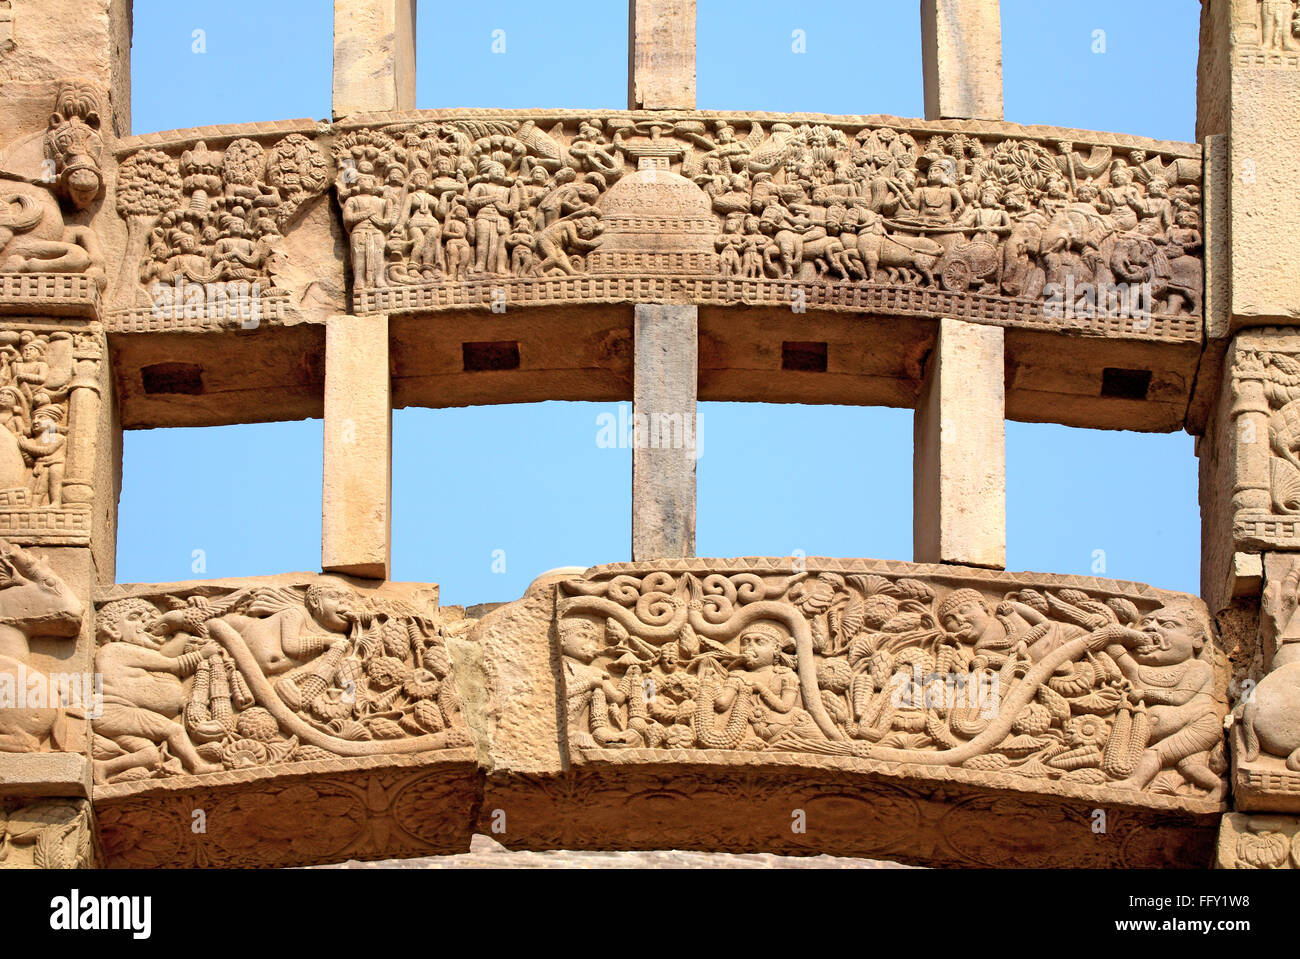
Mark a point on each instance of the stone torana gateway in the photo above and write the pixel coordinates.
(941, 711)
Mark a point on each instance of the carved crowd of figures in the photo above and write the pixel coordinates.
(1055, 685)
(36, 372)
(215, 216)
(267, 675)
(458, 199)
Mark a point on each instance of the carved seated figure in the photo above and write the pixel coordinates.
(591, 694)
(1163, 660)
(762, 703)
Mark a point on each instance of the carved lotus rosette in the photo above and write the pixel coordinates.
(1085, 687)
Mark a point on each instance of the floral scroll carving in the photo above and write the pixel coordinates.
(1057, 685)
(266, 675)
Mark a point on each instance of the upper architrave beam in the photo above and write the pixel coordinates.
(706, 222)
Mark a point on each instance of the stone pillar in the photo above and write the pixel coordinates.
(961, 53)
(356, 522)
(959, 484)
(663, 408)
(374, 56)
(661, 55)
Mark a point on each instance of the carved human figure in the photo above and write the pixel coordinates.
(45, 447)
(1267, 717)
(144, 692)
(767, 680)
(590, 692)
(423, 229)
(1163, 661)
(368, 216)
(1278, 24)
(559, 240)
(492, 202)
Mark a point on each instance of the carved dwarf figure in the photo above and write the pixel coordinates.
(140, 723)
(1163, 660)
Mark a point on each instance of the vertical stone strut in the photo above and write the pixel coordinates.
(661, 55)
(374, 56)
(959, 483)
(663, 460)
(961, 51)
(356, 519)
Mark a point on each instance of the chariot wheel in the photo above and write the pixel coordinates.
(956, 276)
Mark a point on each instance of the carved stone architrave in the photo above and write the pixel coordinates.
(52, 834)
(51, 389)
(947, 684)
(273, 702)
(982, 221)
(225, 229)
(1259, 841)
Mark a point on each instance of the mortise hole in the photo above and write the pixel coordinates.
(501, 355)
(183, 378)
(1125, 384)
(804, 357)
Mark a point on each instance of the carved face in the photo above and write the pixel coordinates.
(1173, 636)
(331, 608)
(758, 649)
(968, 621)
(579, 641)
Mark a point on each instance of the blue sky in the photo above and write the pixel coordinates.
(528, 485)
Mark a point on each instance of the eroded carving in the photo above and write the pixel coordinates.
(34, 603)
(46, 835)
(816, 205)
(201, 216)
(266, 675)
(1062, 685)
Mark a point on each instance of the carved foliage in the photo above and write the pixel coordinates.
(267, 675)
(1062, 685)
(203, 216)
(46, 835)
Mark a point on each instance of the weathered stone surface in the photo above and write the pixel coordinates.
(48, 690)
(374, 56)
(356, 531)
(960, 458)
(1259, 841)
(486, 853)
(1266, 733)
(266, 703)
(661, 55)
(665, 450)
(961, 53)
(54, 834)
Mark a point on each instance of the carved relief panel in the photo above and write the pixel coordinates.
(894, 218)
(302, 693)
(1083, 687)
